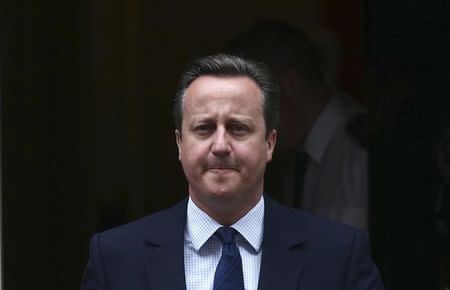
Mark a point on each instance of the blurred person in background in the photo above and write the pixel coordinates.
(321, 163)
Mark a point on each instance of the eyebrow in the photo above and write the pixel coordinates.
(241, 120)
(233, 119)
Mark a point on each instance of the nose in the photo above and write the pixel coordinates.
(221, 146)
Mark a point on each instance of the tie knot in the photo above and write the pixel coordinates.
(226, 234)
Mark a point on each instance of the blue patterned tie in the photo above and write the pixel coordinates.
(228, 274)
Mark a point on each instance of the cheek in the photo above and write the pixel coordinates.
(254, 154)
(193, 156)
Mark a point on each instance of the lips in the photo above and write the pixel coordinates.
(221, 169)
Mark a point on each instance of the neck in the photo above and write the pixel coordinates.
(226, 212)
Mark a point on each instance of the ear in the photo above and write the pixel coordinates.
(178, 140)
(271, 141)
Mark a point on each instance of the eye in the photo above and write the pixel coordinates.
(203, 129)
(239, 129)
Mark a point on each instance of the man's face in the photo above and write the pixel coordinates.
(222, 145)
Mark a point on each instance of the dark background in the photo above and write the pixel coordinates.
(87, 135)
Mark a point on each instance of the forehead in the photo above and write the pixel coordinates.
(223, 90)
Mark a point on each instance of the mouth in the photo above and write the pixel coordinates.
(221, 170)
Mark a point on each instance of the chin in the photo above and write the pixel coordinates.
(222, 192)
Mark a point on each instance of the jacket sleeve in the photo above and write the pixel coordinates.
(363, 274)
(93, 278)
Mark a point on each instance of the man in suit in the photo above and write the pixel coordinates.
(227, 234)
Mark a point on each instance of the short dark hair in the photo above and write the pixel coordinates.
(228, 65)
(280, 46)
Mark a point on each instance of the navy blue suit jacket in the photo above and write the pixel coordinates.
(299, 252)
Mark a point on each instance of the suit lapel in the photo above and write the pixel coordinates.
(283, 255)
(165, 249)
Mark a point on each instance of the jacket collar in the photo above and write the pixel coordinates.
(282, 256)
(165, 243)
(335, 115)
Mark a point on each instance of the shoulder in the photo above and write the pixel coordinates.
(116, 254)
(133, 233)
(331, 250)
(318, 232)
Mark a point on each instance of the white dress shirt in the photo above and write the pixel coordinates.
(202, 249)
(336, 179)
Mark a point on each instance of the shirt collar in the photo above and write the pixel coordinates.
(251, 226)
(335, 114)
(200, 227)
